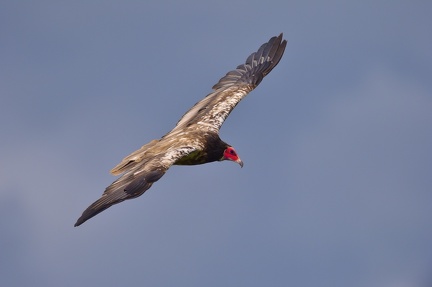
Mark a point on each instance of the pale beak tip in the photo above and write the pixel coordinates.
(240, 162)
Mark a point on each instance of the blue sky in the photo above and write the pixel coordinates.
(336, 141)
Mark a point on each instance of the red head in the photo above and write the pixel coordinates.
(230, 154)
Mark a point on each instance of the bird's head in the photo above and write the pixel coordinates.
(230, 154)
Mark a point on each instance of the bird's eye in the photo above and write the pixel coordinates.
(231, 151)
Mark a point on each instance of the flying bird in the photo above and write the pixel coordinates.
(195, 138)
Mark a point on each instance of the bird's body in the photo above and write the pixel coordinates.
(195, 139)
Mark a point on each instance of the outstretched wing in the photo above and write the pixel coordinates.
(135, 182)
(212, 111)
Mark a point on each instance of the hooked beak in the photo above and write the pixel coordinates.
(240, 162)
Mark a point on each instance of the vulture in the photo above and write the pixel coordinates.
(195, 139)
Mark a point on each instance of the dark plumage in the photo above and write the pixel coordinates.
(195, 138)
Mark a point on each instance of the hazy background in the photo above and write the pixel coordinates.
(337, 184)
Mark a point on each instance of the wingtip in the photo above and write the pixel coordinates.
(265, 58)
(91, 211)
(283, 42)
(79, 222)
